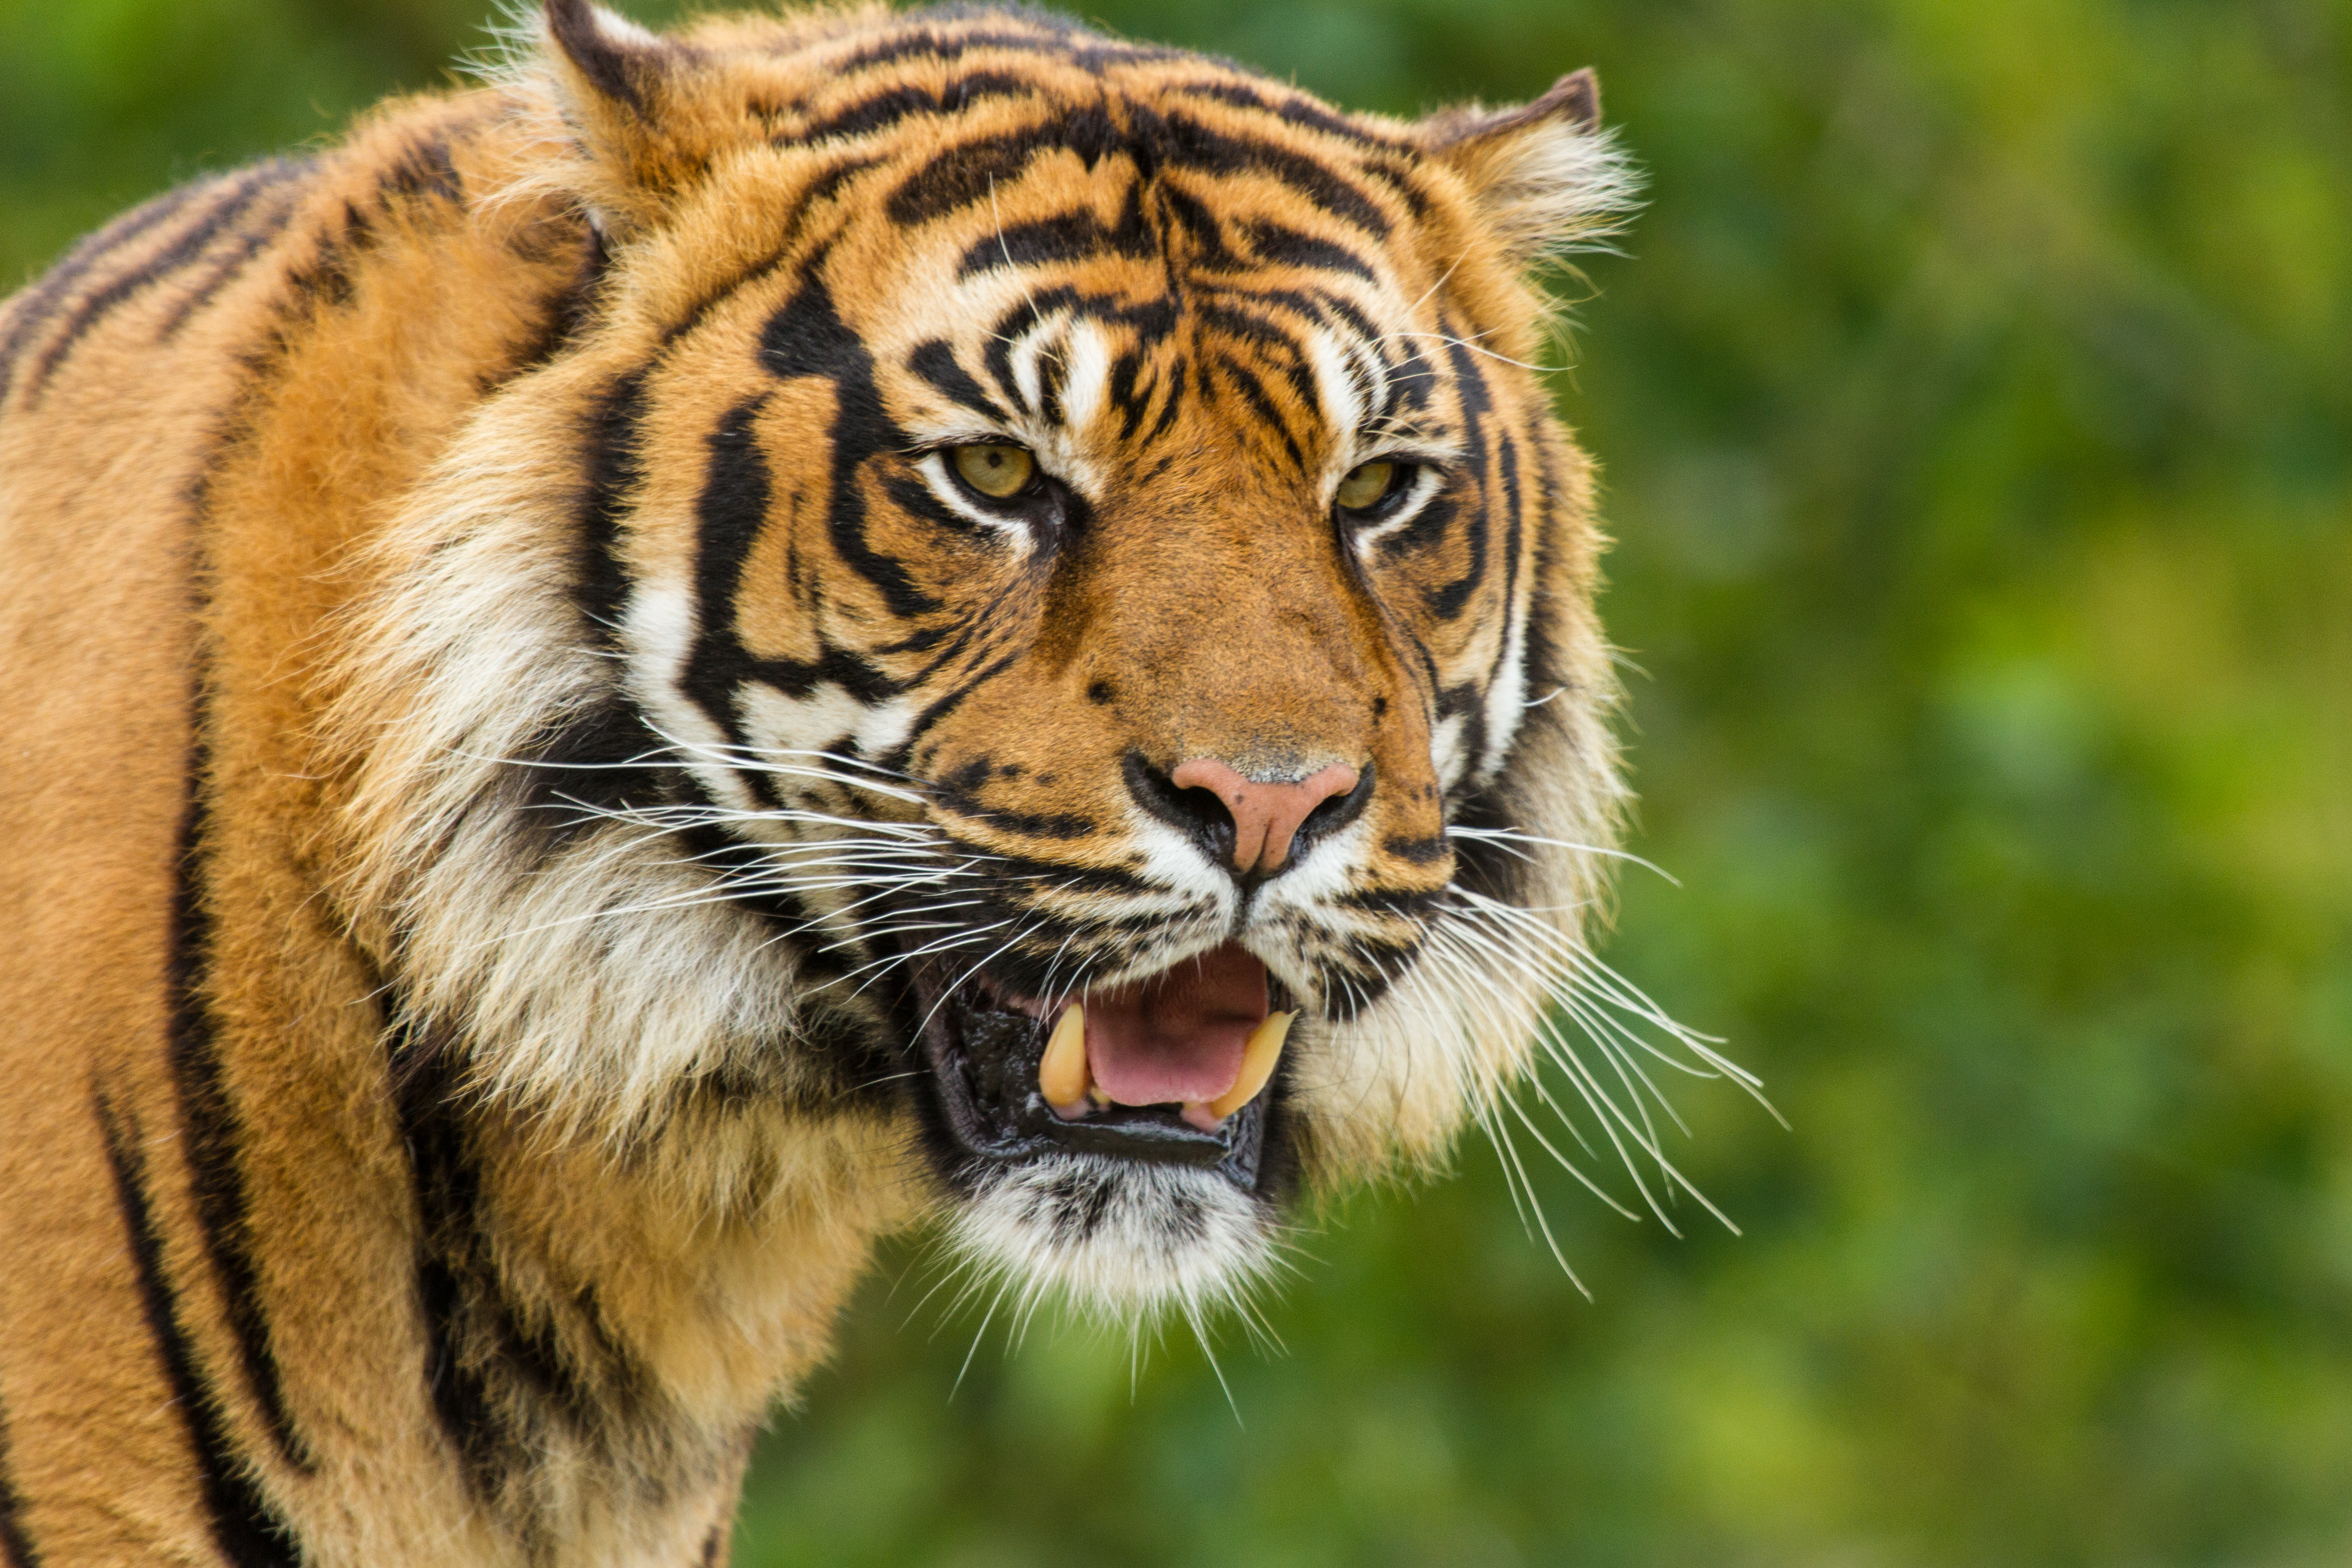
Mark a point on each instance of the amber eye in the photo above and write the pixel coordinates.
(1369, 485)
(997, 472)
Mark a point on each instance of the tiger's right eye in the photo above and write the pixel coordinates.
(1369, 485)
(998, 472)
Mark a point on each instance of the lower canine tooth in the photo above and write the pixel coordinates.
(1259, 1053)
(1061, 1076)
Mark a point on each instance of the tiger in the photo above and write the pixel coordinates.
(719, 645)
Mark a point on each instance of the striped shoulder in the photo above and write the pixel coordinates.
(167, 259)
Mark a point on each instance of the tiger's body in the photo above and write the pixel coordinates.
(550, 808)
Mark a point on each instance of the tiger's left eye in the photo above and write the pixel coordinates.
(998, 472)
(1369, 485)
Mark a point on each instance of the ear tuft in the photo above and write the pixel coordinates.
(1545, 176)
(627, 96)
(614, 58)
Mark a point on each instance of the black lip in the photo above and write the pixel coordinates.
(982, 1086)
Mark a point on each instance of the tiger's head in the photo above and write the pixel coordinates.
(1037, 631)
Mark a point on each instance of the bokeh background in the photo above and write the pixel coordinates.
(1978, 429)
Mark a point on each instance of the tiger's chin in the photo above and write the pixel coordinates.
(1072, 1177)
(1117, 1240)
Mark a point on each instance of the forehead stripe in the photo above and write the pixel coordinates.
(1049, 40)
(1289, 247)
(967, 172)
(888, 108)
(1172, 408)
(1254, 391)
(1284, 351)
(1194, 145)
(1072, 236)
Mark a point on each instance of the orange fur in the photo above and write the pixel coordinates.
(406, 1161)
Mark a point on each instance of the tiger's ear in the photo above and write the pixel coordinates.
(1544, 176)
(639, 107)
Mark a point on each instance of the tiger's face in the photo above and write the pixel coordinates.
(1087, 617)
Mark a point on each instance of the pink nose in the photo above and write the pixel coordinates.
(1266, 816)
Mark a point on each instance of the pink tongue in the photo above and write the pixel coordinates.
(1176, 1038)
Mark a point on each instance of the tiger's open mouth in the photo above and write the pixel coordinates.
(1178, 1068)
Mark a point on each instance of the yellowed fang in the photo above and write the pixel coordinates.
(1263, 1050)
(1061, 1076)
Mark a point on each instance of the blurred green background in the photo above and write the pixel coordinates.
(1974, 408)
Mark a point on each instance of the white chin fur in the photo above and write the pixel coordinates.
(1116, 1241)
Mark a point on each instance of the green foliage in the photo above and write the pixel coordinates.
(1979, 441)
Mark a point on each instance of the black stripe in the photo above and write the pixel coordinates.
(37, 305)
(1067, 238)
(967, 172)
(729, 514)
(1194, 145)
(247, 1533)
(182, 252)
(496, 1367)
(1130, 394)
(212, 1130)
(1201, 225)
(1292, 110)
(1151, 322)
(936, 362)
(600, 584)
(1307, 112)
(1513, 501)
(1412, 904)
(1477, 402)
(1028, 825)
(489, 1360)
(888, 108)
(1288, 246)
(225, 270)
(1412, 382)
(447, 1190)
(1253, 392)
(1400, 175)
(1055, 38)
(1169, 409)
(1419, 851)
(808, 337)
(15, 1546)
(1243, 322)
(426, 168)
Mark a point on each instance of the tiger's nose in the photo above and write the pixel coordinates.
(1266, 816)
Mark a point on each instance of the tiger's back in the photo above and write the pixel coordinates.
(374, 524)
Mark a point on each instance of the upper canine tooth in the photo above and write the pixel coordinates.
(1061, 1076)
(1259, 1053)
